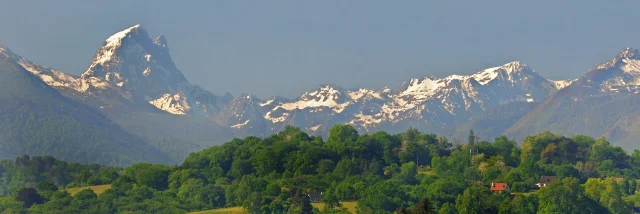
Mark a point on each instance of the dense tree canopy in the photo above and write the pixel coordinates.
(410, 172)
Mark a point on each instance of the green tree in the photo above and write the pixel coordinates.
(520, 204)
(265, 162)
(471, 142)
(408, 172)
(29, 196)
(383, 196)
(84, 199)
(326, 166)
(447, 208)
(472, 200)
(340, 137)
(10, 205)
(330, 200)
(566, 196)
(424, 207)
(154, 176)
(632, 186)
(301, 204)
(401, 210)
(505, 148)
(192, 191)
(611, 198)
(46, 188)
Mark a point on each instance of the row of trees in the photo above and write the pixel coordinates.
(27, 171)
(410, 172)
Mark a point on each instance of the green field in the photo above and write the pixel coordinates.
(98, 189)
(228, 210)
(350, 205)
(426, 170)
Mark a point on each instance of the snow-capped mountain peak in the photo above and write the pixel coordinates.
(427, 87)
(324, 92)
(4, 50)
(112, 43)
(139, 68)
(419, 100)
(626, 56)
(618, 75)
(131, 60)
(629, 53)
(515, 66)
(132, 68)
(509, 70)
(329, 96)
(629, 60)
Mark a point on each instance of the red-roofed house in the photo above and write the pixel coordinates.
(499, 187)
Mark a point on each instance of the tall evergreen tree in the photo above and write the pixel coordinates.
(472, 140)
(424, 207)
(29, 196)
(402, 210)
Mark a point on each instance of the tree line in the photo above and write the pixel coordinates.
(409, 172)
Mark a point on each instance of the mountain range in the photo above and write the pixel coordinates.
(36, 119)
(133, 83)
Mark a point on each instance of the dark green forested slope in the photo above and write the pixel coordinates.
(410, 172)
(36, 120)
(492, 123)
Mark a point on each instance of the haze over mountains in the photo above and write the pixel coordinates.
(37, 120)
(134, 83)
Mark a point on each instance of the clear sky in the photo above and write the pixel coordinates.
(283, 48)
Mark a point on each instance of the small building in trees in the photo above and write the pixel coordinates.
(500, 187)
(315, 196)
(545, 181)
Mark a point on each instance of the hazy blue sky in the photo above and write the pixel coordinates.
(285, 47)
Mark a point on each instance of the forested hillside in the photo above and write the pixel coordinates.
(35, 119)
(410, 172)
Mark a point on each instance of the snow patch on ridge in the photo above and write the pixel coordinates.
(631, 66)
(303, 104)
(365, 119)
(314, 128)
(423, 89)
(173, 104)
(326, 96)
(560, 84)
(364, 93)
(52, 77)
(146, 72)
(240, 125)
(276, 119)
(268, 102)
(485, 76)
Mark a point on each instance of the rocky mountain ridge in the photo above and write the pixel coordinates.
(137, 70)
(132, 76)
(603, 102)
